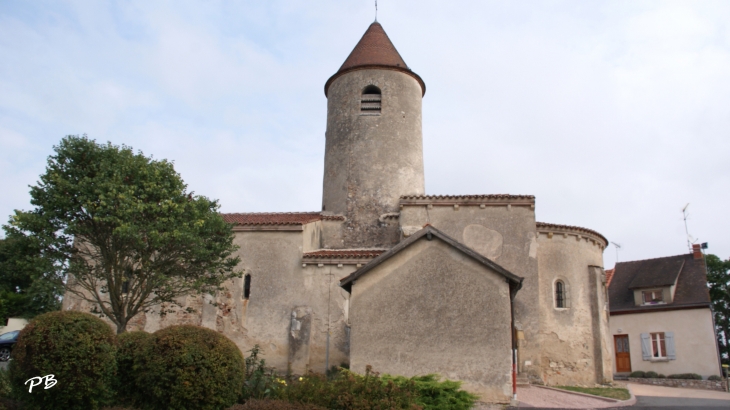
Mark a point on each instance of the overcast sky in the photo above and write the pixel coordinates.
(613, 114)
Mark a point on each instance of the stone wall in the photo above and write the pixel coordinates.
(575, 337)
(688, 384)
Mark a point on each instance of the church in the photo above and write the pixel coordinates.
(469, 287)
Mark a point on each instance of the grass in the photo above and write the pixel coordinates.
(610, 392)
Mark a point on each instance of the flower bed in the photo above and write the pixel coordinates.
(719, 385)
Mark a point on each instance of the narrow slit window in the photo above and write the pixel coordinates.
(559, 294)
(246, 286)
(370, 102)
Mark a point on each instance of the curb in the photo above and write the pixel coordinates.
(619, 403)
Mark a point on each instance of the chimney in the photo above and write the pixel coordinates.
(697, 251)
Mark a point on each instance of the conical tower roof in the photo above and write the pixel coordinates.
(374, 51)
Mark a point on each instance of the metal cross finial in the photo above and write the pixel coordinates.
(376, 11)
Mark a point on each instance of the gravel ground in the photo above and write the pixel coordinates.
(538, 397)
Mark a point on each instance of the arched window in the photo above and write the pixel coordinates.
(370, 101)
(560, 294)
(247, 286)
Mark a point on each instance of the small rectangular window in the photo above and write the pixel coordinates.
(658, 345)
(246, 286)
(652, 297)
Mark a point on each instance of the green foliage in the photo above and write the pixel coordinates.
(273, 404)
(5, 388)
(260, 382)
(78, 349)
(715, 378)
(433, 394)
(651, 375)
(686, 376)
(610, 392)
(25, 290)
(188, 368)
(125, 229)
(637, 374)
(350, 391)
(718, 279)
(130, 344)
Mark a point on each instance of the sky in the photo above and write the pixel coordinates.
(614, 114)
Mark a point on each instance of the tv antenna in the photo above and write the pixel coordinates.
(690, 239)
(617, 246)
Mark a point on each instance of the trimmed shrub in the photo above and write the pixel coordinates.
(686, 376)
(271, 404)
(651, 375)
(637, 374)
(715, 378)
(129, 348)
(78, 349)
(661, 376)
(435, 395)
(188, 368)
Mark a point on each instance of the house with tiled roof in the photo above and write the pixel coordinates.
(661, 317)
(470, 287)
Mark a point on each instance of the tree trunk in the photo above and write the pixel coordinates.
(121, 327)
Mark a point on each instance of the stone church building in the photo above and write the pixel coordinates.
(410, 283)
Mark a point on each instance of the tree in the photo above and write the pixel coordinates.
(718, 279)
(122, 232)
(25, 290)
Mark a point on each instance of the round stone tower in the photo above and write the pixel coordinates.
(374, 148)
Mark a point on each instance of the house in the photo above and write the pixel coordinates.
(661, 319)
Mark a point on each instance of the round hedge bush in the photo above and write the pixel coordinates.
(78, 349)
(130, 344)
(189, 368)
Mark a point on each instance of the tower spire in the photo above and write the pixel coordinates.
(376, 11)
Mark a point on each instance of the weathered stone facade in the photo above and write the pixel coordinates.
(431, 308)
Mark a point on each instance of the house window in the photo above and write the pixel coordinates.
(246, 286)
(370, 102)
(560, 294)
(652, 297)
(658, 345)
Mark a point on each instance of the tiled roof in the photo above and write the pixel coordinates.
(343, 254)
(374, 50)
(544, 225)
(691, 285)
(277, 218)
(609, 276)
(492, 196)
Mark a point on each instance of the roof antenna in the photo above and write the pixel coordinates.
(689, 238)
(617, 246)
(376, 11)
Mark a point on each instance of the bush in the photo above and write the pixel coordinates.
(77, 348)
(188, 368)
(350, 391)
(435, 395)
(638, 374)
(255, 404)
(661, 376)
(715, 378)
(686, 376)
(260, 382)
(129, 348)
(651, 375)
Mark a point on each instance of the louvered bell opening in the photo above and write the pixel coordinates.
(370, 104)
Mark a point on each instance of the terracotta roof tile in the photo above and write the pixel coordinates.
(277, 218)
(609, 276)
(374, 50)
(343, 253)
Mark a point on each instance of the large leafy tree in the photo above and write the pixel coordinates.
(122, 232)
(25, 288)
(718, 278)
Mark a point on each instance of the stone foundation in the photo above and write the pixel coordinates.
(686, 383)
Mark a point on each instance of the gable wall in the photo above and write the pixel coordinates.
(432, 309)
(506, 235)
